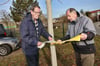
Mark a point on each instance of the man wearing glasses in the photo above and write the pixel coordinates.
(31, 29)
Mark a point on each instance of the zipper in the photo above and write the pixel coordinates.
(74, 30)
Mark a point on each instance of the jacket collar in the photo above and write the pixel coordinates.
(29, 17)
(79, 16)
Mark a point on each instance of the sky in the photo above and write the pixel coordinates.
(59, 7)
(5, 5)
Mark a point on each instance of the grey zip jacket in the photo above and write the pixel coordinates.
(82, 24)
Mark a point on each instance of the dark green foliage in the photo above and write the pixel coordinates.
(20, 8)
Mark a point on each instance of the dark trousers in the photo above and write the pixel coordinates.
(32, 60)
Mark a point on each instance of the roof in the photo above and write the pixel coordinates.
(94, 11)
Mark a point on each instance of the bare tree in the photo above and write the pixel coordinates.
(5, 16)
(82, 12)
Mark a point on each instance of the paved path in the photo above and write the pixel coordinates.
(97, 26)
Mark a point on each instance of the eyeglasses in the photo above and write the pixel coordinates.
(37, 12)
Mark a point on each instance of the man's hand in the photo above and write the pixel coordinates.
(56, 42)
(83, 36)
(59, 42)
(50, 38)
(39, 43)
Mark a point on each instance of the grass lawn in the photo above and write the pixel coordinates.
(65, 54)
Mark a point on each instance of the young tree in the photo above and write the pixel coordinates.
(50, 29)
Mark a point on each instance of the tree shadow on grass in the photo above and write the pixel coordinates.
(64, 56)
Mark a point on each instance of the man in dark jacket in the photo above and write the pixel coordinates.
(31, 29)
(84, 49)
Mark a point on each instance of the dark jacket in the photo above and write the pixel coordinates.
(29, 35)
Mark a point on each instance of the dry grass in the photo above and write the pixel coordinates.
(65, 55)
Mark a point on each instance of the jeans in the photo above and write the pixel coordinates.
(84, 59)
